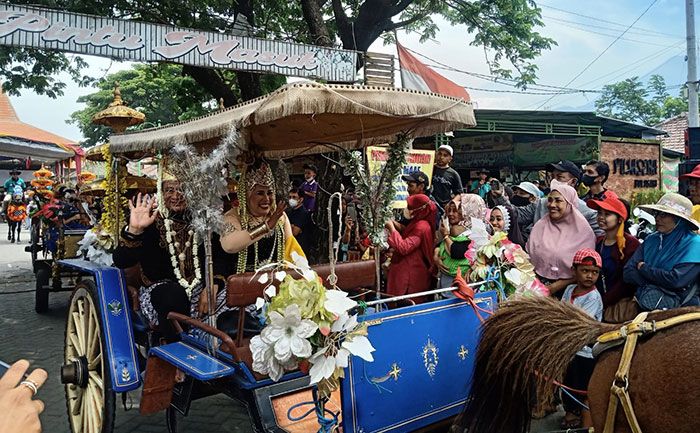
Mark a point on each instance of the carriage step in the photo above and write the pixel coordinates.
(193, 361)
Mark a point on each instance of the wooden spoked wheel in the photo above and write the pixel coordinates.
(90, 398)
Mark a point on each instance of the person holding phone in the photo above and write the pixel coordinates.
(481, 186)
(19, 410)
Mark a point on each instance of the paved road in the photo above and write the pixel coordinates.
(39, 338)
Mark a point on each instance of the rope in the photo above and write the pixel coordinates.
(333, 251)
(328, 425)
(571, 396)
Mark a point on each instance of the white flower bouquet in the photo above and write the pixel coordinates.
(307, 326)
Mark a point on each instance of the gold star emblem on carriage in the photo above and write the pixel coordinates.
(395, 371)
(463, 352)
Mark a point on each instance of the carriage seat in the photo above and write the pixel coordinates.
(243, 290)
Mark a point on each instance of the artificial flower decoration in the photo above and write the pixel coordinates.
(504, 265)
(306, 325)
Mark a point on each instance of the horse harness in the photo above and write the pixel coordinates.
(629, 334)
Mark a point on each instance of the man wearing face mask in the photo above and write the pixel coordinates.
(300, 220)
(595, 175)
(524, 194)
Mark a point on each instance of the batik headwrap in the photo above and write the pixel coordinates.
(470, 206)
(258, 173)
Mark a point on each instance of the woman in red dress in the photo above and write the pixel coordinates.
(412, 260)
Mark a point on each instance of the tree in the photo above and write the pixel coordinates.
(632, 101)
(160, 91)
(505, 28)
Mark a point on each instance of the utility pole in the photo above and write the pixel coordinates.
(692, 82)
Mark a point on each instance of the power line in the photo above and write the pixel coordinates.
(602, 53)
(601, 20)
(585, 28)
(632, 32)
(492, 78)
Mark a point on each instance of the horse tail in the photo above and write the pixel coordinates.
(526, 344)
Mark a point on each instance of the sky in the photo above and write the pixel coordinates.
(583, 29)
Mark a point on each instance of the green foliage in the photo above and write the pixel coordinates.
(27, 68)
(376, 190)
(159, 91)
(645, 196)
(632, 101)
(505, 28)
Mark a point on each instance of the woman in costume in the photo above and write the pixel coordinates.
(166, 247)
(257, 232)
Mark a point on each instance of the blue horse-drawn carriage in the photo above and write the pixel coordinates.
(424, 353)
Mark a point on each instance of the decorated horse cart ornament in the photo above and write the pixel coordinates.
(307, 326)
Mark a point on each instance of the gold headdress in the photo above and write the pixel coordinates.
(261, 176)
(256, 173)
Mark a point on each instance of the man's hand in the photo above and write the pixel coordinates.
(143, 213)
(19, 412)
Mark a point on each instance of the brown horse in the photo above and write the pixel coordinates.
(541, 335)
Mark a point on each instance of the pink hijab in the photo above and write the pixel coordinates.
(553, 244)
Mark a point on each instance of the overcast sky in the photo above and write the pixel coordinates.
(647, 47)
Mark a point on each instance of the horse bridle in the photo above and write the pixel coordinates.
(630, 333)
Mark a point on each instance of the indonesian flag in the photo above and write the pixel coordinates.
(415, 75)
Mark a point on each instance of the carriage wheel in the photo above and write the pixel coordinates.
(41, 293)
(171, 419)
(90, 398)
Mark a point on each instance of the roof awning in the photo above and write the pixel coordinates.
(14, 148)
(313, 118)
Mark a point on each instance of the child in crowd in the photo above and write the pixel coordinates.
(310, 187)
(584, 294)
(16, 213)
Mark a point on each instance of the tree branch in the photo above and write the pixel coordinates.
(311, 9)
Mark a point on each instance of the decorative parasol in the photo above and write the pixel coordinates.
(117, 115)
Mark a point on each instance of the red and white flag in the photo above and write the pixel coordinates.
(415, 75)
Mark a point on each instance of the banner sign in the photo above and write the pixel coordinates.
(422, 160)
(539, 153)
(41, 28)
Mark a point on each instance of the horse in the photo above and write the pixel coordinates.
(528, 343)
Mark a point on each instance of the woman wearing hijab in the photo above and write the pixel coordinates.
(666, 267)
(504, 218)
(557, 237)
(412, 259)
(615, 248)
(449, 254)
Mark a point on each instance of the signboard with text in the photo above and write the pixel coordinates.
(422, 160)
(42, 28)
(541, 152)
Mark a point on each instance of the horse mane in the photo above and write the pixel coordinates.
(526, 344)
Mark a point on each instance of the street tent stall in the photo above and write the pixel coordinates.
(311, 118)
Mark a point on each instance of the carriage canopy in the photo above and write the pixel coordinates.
(311, 117)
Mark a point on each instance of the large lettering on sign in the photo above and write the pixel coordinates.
(144, 42)
(422, 160)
